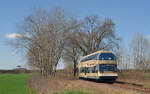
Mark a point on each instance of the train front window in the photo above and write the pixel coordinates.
(107, 56)
(108, 67)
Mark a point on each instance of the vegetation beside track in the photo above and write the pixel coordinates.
(14, 84)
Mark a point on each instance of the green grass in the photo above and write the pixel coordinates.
(148, 86)
(147, 75)
(73, 92)
(14, 84)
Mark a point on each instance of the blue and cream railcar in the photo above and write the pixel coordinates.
(100, 65)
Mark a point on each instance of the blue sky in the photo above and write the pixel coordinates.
(130, 16)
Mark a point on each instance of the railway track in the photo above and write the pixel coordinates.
(126, 85)
(132, 86)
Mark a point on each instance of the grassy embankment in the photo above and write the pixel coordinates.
(14, 84)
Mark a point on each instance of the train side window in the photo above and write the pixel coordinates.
(82, 69)
(96, 68)
(83, 60)
(94, 57)
(87, 70)
(89, 58)
(90, 70)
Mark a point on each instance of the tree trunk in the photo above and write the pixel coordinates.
(75, 68)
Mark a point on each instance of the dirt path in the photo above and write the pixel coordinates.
(49, 86)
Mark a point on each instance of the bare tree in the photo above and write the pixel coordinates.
(124, 61)
(123, 57)
(71, 51)
(140, 52)
(42, 39)
(95, 35)
(88, 36)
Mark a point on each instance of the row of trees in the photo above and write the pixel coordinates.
(136, 55)
(46, 37)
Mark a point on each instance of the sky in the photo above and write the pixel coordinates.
(130, 16)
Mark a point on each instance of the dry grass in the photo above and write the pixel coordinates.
(65, 82)
(134, 74)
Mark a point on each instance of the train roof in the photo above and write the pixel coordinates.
(102, 51)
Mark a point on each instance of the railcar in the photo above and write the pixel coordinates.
(100, 65)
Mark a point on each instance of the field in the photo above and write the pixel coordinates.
(14, 84)
(66, 84)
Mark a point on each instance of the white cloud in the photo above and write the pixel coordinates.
(12, 35)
